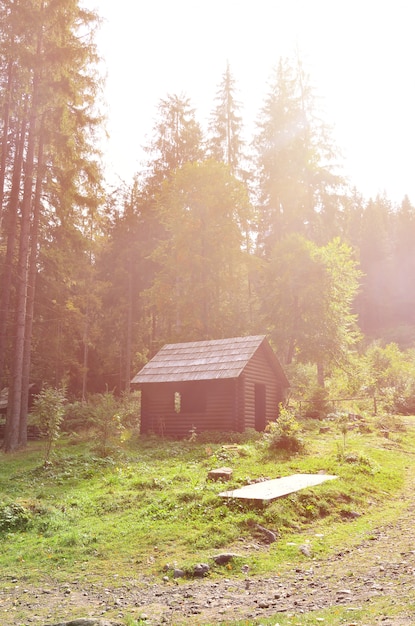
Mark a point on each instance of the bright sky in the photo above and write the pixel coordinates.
(359, 54)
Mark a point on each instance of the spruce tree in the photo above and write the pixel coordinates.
(296, 182)
(225, 142)
(55, 80)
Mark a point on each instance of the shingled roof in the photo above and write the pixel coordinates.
(203, 360)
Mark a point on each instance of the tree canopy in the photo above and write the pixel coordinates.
(217, 235)
(50, 177)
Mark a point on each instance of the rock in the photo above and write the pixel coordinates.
(222, 559)
(268, 534)
(178, 573)
(263, 604)
(200, 570)
(224, 473)
(306, 550)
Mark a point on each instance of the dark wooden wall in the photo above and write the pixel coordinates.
(158, 414)
(260, 370)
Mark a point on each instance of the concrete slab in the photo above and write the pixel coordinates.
(277, 487)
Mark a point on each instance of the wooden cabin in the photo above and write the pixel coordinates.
(220, 385)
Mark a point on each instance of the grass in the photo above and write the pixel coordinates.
(150, 505)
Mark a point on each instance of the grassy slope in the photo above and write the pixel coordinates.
(152, 505)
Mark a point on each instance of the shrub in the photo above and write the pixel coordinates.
(81, 416)
(13, 516)
(107, 421)
(130, 409)
(284, 434)
(392, 374)
(47, 412)
(317, 405)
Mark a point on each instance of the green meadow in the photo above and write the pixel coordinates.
(150, 507)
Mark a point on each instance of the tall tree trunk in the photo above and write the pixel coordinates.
(6, 281)
(11, 435)
(129, 324)
(85, 356)
(31, 293)
(229, 134)
(5, 140)
(292, 339)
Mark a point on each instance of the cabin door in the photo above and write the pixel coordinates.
(260, 412)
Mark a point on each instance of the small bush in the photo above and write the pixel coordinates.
(130, 409)
(317, 406)
(48, 411)
(13, 516)
(284, 434)
(83, 416)
(107, 422)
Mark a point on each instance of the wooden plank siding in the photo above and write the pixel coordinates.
(259, 371)
(158, 413)
(240, 403)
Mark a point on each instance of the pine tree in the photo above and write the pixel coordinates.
(294, 159)
(56, 82)
(126, 270)
(404, 265)
(307, 297)
(201, 288)
(376, 253)
(225, 143)
(177, 138)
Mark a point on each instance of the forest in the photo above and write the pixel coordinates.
(216, 236)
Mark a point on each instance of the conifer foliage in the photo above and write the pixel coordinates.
(49, 173)
(225, 143)
(215, 237)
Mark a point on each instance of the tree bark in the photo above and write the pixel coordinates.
(6, 282)
(129, 324)
(5, 142)
(31, 288)
(12, 428)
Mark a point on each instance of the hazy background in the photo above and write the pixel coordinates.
(359, 56)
